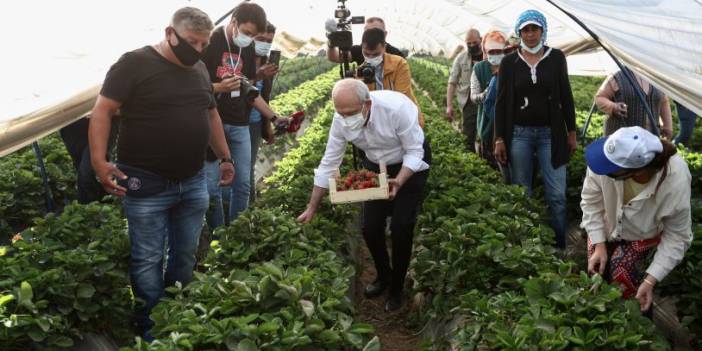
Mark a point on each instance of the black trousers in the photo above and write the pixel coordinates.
(403, 210)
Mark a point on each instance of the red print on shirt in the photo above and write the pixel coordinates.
(228, 63)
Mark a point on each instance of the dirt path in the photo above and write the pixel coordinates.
(393, 329)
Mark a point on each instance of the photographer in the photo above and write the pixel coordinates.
(231, 62)
(356, 50)
(383, 71)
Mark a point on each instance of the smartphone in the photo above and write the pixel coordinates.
(274, 57)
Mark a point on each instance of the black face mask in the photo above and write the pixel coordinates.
(185, 53)
(475, 50)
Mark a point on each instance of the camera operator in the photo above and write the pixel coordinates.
(383, 71)
(231, 62)
(356, 50)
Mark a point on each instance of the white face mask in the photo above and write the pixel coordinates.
(262, 48)
(495, 59)
(375, 61)
(533, 50)
(242, 40)
(353, 123)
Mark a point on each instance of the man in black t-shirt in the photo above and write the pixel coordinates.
(356, 50)
(169, 117)
(231, 56)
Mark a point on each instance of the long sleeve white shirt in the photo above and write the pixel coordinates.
(392, 135)
(666, 212)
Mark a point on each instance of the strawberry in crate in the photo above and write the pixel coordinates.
(358, 180)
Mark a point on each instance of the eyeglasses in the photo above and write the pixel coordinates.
(496, 52)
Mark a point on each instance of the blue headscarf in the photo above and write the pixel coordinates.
(536, 16)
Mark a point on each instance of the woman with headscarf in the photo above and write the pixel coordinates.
(483, 83)
(635, 200)
(535, 115)
(617, 98)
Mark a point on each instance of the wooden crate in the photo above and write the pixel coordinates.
(350, 196)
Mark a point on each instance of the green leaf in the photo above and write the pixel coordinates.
(25, 295)
(36, 335)
(63, 341)
(85, 291)
(372, 345)
(43, 324)
(307, 307)
(5, 299)
(247, 345)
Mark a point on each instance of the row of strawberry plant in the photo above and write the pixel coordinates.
(482, 245)
(297, 71)
(270, 282)
(64, 276)
(22, 195)
(69, 274)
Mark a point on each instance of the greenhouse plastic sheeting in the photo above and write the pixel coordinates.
(62, 48)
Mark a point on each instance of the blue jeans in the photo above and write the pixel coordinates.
(530, 141)
(255, 134)
(215, 212)
(174, 216)
(687, 124)
(239, 141)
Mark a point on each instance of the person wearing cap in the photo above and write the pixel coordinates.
(635, 199)
(535, 115)
(619, 101)
(483, 83)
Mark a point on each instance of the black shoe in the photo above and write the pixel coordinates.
(375, 289)
(394, 303)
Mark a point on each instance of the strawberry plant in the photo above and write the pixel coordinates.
(556, 311)
(66, 275)
(22, 196)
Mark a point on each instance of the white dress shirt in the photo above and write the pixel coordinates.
(392, 135)
(665, 212)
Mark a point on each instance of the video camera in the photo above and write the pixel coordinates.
(342, 36)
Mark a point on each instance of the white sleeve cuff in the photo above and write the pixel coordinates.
(414, 163)
(596, 236)
(657, 271)
(321, 177)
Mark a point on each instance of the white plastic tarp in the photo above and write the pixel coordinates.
(53, 50)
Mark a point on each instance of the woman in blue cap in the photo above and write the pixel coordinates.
(535, 115)
(635, 199)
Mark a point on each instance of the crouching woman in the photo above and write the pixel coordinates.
(635, 201)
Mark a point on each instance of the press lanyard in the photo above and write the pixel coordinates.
(229, 48)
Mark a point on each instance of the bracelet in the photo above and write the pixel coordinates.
(648, 282)
(274, 118)
(226, 160)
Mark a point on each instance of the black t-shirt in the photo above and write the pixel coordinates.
(357, 53)
(532, 99)
(165, 125)
(221, 62)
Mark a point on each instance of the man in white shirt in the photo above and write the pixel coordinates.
(384, 125)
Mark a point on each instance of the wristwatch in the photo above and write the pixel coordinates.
(226, 160)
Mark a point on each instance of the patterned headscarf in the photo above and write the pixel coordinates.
(532, 16)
